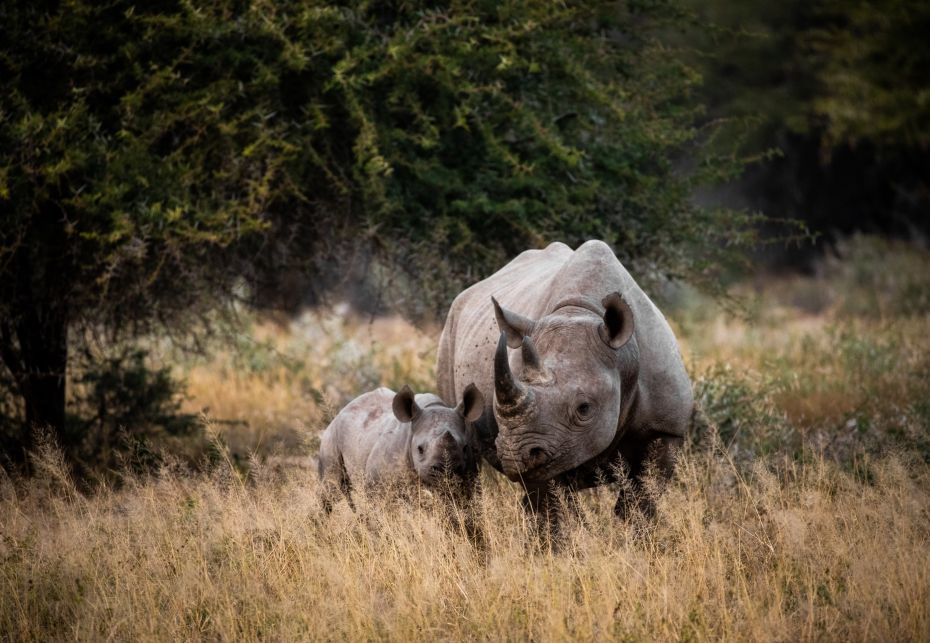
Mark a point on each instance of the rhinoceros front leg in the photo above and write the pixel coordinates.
(650, 466)
(549, 505)
(462, 512)
(542, 505)
(540, 502)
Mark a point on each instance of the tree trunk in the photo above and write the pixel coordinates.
(43, 342)
(34, 322)
(35, 350)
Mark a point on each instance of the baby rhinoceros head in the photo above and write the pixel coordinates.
(442, 439)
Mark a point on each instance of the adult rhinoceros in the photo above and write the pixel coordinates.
(599, 374)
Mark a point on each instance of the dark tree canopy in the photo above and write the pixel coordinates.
(158, 158)
(840, 90)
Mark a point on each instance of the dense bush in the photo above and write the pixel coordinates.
(119, 404)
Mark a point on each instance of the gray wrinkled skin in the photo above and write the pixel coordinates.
(382, 440)
(598, 373)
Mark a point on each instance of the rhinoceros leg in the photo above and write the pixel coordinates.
(542, 504)
(550, 505)
(462, 512)
(650, 465)
(540, 501)
(335, 481)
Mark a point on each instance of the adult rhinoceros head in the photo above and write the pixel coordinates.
(558, 407)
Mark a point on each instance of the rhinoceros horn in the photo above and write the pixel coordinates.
(532, 367)
(516, 326)
(509, 392)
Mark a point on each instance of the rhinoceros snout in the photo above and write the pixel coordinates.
(447, 467)
(521, 462)
(445, 461)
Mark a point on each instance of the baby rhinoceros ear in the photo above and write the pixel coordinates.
(472, 405)
(405, 405)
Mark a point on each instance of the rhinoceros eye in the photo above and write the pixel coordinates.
(420, 449)
(582, 409)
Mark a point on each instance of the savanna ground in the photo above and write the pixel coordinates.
(800, 510)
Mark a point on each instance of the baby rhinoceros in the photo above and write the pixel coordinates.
(382, 440)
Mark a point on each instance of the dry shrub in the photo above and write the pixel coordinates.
(853, 378)
(273, 386)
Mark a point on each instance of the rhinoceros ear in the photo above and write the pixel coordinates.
(405, 406)
(618, 321)
(472, 405)
(516, 326)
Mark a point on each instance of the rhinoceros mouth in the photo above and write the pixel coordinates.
(536, 474)
(516, 469)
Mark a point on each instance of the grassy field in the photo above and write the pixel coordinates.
(801, 508)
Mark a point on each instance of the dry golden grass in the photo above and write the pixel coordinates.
(787, 552)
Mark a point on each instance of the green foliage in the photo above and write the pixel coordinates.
(484, 129)
(851, 71)
(134, 153)
(123, 392)
(152, 138)
(754, 77)
(136, 159)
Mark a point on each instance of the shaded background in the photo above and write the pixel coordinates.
(836, 92)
